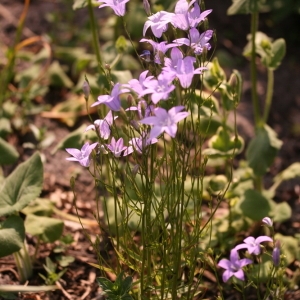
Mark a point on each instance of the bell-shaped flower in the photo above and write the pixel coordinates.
(118, 6)
(157, 24)
(253, 244)
(233, 266)
(165, 121)
(103, 126)
(83, 156)
(196, 40)
(116, 147)
(113, 100)
(159, 88)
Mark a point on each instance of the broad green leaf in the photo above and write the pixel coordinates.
(289, 247)
(290, 172)
(9, 154)
(58, 77)
(48, 229)
(39, 207)
(12, 234)
(254, 205)
(22, 186)
(278, 52)
(262, 150)
(121, 44)
(282, 212)
(72, 140)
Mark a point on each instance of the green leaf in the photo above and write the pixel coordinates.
(282, 212)
(289, 247)
(262, 150)
(241, 7)
(40, 207)
(250, 204)
(12, 235)
(48, 229)
(278, 50)
(22, 186)
(9, 154)
(58, 77)
(246, 6)
(72, 140)
(290, 172)
(121, 44)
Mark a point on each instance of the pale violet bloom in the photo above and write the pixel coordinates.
(233, 266)
(165, 121)
(113, 100)
(103, 126)
(182, 68)
(159, 49)
(118, 6)
(138, 144)
(83, 156)
(186, 16)
(159, 88)
(267, 221)
(198, 42)
(253, 244)
(138, 85)
(116, 147)
(156, 23)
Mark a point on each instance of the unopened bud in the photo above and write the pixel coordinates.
(135, 125)
(86, 89)
(147, 7)
(276, 254)
(107, 67)
(135, 170)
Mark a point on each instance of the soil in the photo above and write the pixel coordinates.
(79, 280)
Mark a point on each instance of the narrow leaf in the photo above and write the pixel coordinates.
(9, 154)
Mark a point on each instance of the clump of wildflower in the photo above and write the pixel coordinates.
(233, 266)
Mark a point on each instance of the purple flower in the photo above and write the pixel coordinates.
(156, 23)
(252, 244)
(118, 6)
(139, 144)
(196, 40)
(160, 88)
(116, 147)
(183, 69)
(267, 221)
(165, 121)
(103, 126)
(233, 266)
(112, 100)
(138, 85)
(185, 15)
(276, 254)
(159, 49)
(82, 155)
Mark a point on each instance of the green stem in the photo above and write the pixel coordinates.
(95, 37)
(255, 103)
(269, 95)
(23, 263)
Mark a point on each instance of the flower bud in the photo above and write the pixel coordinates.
(267, 221)
(86, 89)
(276, 254)
(147, 7)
